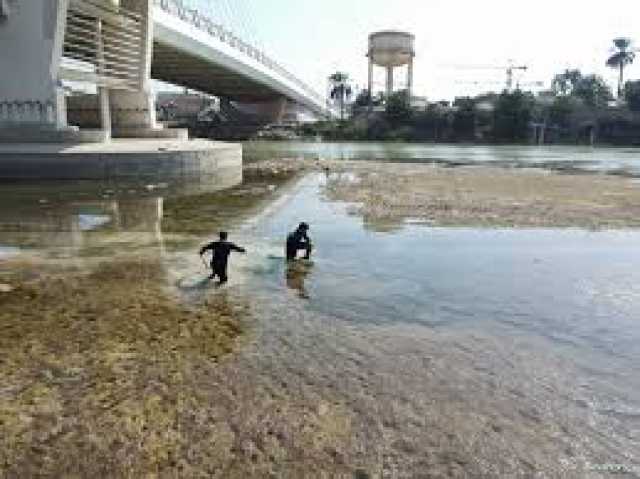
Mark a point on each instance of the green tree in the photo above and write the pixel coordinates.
(593, 90)
(560, 111)
(512, 116)
(398, 107)
(340, 90)
(632, 95)
(464, 118)
(624, 55)
(433, 123)
(363, 98)
(564, 83)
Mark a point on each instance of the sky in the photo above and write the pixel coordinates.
(314, 38)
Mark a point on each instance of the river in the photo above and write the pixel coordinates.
(621, 161)
(400, 350)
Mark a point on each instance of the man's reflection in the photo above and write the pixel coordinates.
(296, 275)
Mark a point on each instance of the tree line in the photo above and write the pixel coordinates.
(577, 108)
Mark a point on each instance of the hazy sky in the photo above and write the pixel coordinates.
(316, 37)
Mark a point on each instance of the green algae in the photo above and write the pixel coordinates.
(96, 367)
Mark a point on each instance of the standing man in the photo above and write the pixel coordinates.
(299, 241)
(221, 250)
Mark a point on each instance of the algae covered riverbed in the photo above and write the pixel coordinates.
(407, 348)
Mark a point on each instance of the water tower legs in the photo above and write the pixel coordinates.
(410, 77)
(389, 81)
(370, 78)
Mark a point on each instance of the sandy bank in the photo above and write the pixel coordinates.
(484, 196)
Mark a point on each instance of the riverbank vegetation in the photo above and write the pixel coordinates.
(577, 109)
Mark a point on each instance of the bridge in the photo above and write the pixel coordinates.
(119, 46)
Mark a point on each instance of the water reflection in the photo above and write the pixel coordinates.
(74, 225)
(78, 215)
(296, 274)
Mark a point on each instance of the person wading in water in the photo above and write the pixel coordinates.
(299, 241)
(221, 250)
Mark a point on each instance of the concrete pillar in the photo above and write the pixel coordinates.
(31, 96)
(410, 77)
(103, 93)
(105, 112)
(133, 112)
(389, 81)
(370, 79)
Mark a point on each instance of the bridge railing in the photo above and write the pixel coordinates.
(202, 22)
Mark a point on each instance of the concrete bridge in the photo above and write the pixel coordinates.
(120, 46)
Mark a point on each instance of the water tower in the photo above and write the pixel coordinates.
(391, 49)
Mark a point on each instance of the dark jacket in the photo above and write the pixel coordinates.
(221, 251)
(298, 240)
(297, 237)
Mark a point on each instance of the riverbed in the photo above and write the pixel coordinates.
(408, 347)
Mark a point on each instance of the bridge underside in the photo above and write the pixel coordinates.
(191, 71)
(118, 47)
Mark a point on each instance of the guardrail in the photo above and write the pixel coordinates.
(202, 22)
(103, 45)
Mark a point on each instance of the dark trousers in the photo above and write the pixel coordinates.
(219, 270)
(293, 248)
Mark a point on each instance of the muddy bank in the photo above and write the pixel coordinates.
(485, 196)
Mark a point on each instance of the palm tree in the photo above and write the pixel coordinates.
(340, 89)
(625, 55)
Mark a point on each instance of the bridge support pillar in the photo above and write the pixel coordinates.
(32, 102)
(133, 113)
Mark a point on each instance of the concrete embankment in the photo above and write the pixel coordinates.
(157, 160)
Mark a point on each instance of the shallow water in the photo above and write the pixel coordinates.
(463, 352)
(620, 161)
(521, 324)
(6, 252)
(578, 290)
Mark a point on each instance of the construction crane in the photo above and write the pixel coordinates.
(510, 70)
(519, 84)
